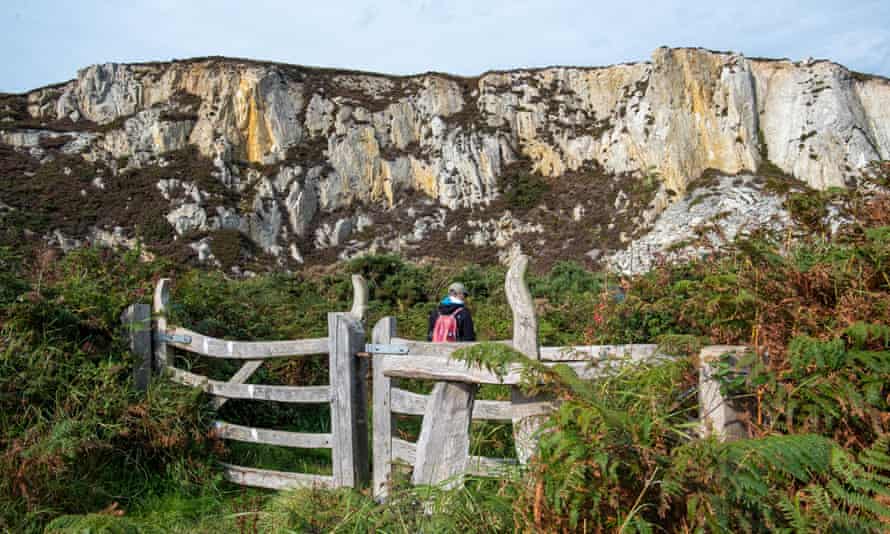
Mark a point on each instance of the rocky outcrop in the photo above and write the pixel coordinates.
(312, 160)
(703, 222)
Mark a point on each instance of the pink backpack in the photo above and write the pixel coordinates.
(445, 329)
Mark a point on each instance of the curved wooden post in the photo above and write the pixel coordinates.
(525, 340)
(359, 297)
(159, 309)
(525, 322)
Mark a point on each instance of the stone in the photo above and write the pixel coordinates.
(294, 148)
(703, 222)
(187, 218)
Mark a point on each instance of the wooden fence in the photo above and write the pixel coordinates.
(346, 392)
(441, 454)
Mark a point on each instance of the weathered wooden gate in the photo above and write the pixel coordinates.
(441, 454)
(346, 392)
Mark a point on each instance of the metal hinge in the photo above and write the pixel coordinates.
(174, 338)
(377, 348)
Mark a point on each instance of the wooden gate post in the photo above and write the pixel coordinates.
(349, 419)
(159, 309)
(137, 327)
(384, 421)
(443, 448)
(716, 416)
(526, 410)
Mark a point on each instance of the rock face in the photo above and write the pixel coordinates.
(316, 164)
(708, 218)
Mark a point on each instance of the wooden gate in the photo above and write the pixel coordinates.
(346, 392)
(441, 454)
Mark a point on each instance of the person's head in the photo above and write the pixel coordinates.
(458, 291)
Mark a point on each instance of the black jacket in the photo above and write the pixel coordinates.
(464, 321)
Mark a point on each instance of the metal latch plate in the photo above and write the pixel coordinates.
(175, 338)
(378, 348)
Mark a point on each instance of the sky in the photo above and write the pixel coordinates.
(46, 41)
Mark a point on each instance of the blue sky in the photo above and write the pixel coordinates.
(46, 41)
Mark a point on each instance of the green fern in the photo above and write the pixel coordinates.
(785, 482)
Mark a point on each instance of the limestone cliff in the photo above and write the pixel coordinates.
(313, 163)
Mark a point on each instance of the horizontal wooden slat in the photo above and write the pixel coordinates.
(241, 376)
(294, 394)
(272, 437)
(491, 410)
(561, 354)
(229, 390)
(442, 368)
(598, 352)
(428, 367)
(485, 466)
(277, 480)
(186, 378)
(409, 403)
(247, 350)
(405, 451)
(435, 349)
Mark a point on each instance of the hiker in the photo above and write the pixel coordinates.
(451, 320)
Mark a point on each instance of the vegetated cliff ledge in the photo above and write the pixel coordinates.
(233, 160)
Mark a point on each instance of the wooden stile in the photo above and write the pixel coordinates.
(441, 455)
(346, 393)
